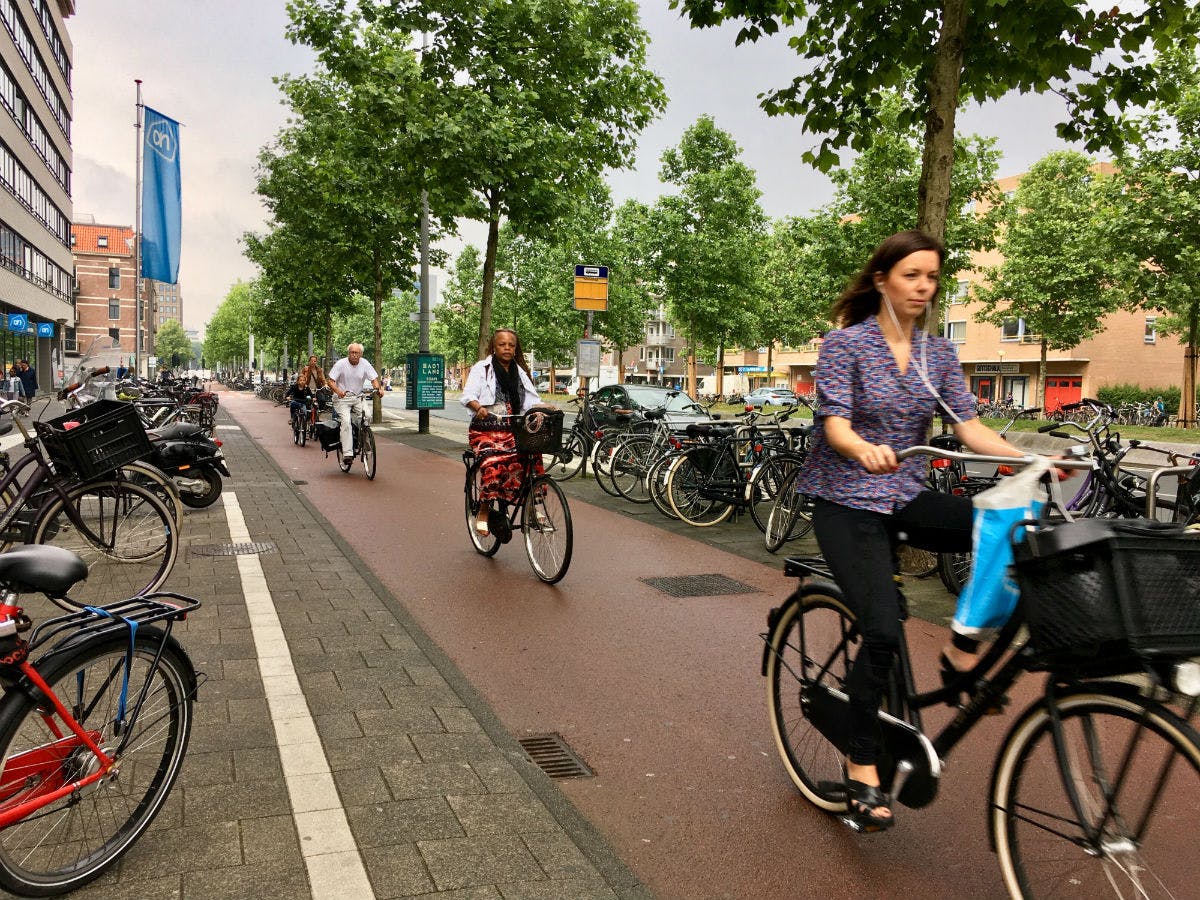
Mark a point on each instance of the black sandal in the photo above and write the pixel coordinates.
(862, 800)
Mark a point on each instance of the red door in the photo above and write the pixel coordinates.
(1062, 389)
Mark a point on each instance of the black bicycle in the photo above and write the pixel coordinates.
(363, 438)
(1094, 781)
(540, 511)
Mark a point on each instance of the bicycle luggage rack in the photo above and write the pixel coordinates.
(88, 624)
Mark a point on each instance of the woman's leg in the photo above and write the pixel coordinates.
(858, 548)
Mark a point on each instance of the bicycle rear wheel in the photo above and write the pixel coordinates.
(693, 475)
(128, 538)
(656, 484)
(765, 485)
(486, 544)
(74, 839)
(813, 763)
(628, 466)
(1135, 767)
(546, 523)
(791, 514)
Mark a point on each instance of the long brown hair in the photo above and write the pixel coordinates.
(861, 298)
(520, 356)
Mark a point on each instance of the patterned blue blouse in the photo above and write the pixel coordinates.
(858, 379)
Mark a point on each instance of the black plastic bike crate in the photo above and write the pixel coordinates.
(1103, 591)
(539, 431)
(108, 435)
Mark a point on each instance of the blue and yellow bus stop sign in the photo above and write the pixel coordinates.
(591, 288)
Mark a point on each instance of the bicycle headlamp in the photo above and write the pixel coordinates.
(1186, 678)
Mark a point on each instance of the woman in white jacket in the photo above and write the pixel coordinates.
(499, 384)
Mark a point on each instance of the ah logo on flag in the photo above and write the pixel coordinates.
(18, 322)
(45, 329)
(163, 139)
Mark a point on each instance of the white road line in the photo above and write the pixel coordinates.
(335, 867)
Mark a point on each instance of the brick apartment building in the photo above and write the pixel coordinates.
(105, 284)
(999, 361)
(36, 301)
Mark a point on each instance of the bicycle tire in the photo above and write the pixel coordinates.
(155, 479)
(566, 464)
(75, 839)
(628, 466)
(765, 484)
(685, 480)
(367, 452)
(656, 484)
(954, 569)
(487, 544)
(303, 429)
(814, 764)
(1042, 847)
(602, 456)
(296, 429)
(129, 543)
(791, 515)
(546, 525)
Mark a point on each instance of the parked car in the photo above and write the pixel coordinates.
(560, 385)
(760, 397)
(680, 407)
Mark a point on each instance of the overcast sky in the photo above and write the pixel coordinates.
(210, 66)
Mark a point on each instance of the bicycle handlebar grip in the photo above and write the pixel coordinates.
(1049, 426)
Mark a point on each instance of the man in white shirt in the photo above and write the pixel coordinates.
(346, 380)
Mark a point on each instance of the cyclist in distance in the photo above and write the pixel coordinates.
(880, 380)
(498, 385)
(348, 376)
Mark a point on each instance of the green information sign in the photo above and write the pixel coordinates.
(426, 387)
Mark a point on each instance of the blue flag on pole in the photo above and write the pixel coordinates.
(161, 207)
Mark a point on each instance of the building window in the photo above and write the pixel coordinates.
(961, 289)
(1151, 332)
(957, 332)
(72, 239)
(114, 277)
(114, 307)
(102, 240)
(1012, 330)
(114, 333)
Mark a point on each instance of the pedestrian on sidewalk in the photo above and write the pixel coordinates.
(347, 377)
(28, 378)
(498, 385)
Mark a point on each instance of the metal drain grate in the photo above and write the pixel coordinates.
(699, 585)
(232, 549)
(299, 481)
(551, 754)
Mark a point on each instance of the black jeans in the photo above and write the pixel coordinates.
(859, 546)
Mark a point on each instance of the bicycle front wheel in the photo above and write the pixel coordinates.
(124, 533)
(74, 839)
(809, 653)
(1133, 767)
(546, 523)
(791, 514)
(692, 483)
(486, 544)
(368, 453)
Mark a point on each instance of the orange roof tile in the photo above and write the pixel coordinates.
(84, 239)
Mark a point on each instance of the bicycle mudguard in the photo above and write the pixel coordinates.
(906, 755)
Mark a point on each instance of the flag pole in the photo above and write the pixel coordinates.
(137, 241)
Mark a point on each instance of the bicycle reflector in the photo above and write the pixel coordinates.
(1004, 470)
(941, 463)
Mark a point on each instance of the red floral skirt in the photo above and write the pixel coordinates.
(501, 470)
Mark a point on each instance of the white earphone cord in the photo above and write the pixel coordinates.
(922, 366)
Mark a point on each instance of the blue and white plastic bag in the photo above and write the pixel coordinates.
(990, 595)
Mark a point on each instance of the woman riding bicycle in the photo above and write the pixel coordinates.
(498, 385)
(880, 380)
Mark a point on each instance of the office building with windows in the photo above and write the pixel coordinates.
(36, 287)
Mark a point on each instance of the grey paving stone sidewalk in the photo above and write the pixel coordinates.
(440, 800)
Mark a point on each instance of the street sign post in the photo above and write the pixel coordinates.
(426, 387)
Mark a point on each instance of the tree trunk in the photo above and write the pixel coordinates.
(620, 365)
(377, 403)
(770, 365)
(720, 371)
(1187, 396)
(937, 158)
(1042, 380)
(489, 272)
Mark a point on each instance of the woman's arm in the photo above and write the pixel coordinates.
(878, 459)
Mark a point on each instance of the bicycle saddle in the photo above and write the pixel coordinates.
(46, 569)
(700, 429)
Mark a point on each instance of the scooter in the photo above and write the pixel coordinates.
(182, 450)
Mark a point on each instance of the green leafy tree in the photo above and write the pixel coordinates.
(400, 333)
(455, 330)
(525, 99)
(711, 240)
(1056, 273)
(227, 334)
(172, 343)
(935, 53)
(1157, 224)
(634, 291)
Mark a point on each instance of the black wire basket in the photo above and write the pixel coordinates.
(1110, 592)
(106, 435)
(538, 431)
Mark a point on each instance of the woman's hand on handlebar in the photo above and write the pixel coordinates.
(878, 459)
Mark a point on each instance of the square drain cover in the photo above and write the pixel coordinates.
(231, 549)
(699, 585)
